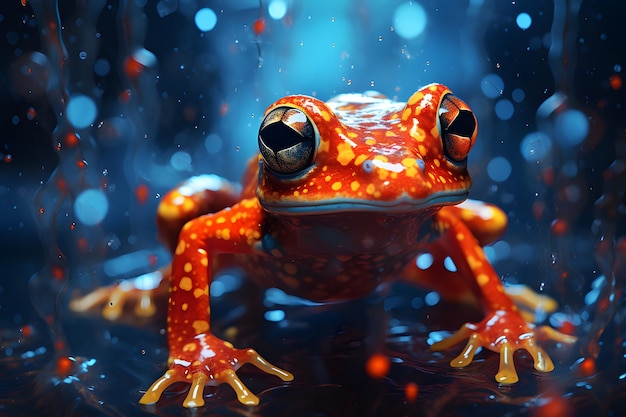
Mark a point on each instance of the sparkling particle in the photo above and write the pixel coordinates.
(499, 169)
(409, 20)
(205, 19)
(81, 111)
(523, 21)
(91, 206)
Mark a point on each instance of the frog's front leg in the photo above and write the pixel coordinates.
(196, 355)
(503, 329)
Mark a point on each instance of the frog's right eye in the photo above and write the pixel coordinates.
(287, 140)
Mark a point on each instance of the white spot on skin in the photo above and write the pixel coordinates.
(427, 101)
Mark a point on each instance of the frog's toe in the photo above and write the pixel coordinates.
(91, 300)
(457, 337)
(541, 359)
(243, 393)
(139, 292)
(530, 302)
(548, 333)
(153, 393)
(195, 397)
(503, 332)
(506, 371)
(260, 362)
(208, 360)
(467, 355)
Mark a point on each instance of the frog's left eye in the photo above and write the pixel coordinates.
(287, 140)
(458, 128)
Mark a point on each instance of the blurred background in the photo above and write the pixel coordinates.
(106, 105)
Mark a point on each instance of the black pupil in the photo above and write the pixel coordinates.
(464, 124)
(279, 136)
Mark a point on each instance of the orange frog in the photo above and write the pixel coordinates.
(345, 195)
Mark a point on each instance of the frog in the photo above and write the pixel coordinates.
(344, 196)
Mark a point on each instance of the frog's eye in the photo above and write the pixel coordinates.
(287, 140)
(458, 128)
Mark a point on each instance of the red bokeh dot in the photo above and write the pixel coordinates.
(377, 366)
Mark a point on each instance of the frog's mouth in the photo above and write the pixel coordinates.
(401, 205)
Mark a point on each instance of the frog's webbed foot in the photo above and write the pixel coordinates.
(503, 332)
(139, 292)
(210, 360)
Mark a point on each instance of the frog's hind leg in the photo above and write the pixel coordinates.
(144, 294)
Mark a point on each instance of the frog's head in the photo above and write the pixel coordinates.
(364, 152)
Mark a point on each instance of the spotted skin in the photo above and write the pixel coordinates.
(369, 184)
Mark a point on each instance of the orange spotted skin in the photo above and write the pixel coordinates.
(346, 195)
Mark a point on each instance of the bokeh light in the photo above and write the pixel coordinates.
(181, 161)
(424, 260)
(504, 109)
(101, 67)
(492, 85)
(535, 146)
(205, 19)
(499, 169)
(81, 111)
(409, 20)
(91, 206)
(277, 9)
(518, 95)
(571, 127)
(523, 21)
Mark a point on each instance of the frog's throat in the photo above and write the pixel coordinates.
(401, 205)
